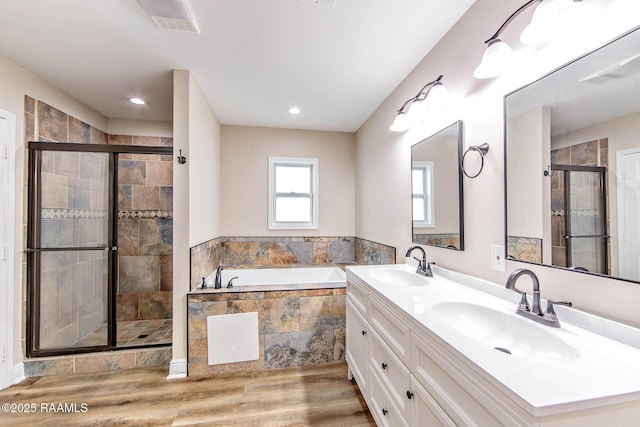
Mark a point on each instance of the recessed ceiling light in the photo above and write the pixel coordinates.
(137, 101)
(294, 110)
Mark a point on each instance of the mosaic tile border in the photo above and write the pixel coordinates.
(67, 213)
(145, 214)
(576, 212)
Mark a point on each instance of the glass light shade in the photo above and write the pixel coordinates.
(552, 17)
(495, 59)
(401, 123)
(437, 98)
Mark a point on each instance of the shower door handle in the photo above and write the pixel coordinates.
(111, 248)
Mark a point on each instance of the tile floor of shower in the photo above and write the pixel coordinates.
(132, 333)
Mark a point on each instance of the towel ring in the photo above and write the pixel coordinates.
(482, 149)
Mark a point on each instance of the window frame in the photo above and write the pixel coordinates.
(312, 164)
(428, 185)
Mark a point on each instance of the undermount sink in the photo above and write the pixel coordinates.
(396, 277)
(504, 332)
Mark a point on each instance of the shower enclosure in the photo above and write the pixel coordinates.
(579, 218)
(99, 253)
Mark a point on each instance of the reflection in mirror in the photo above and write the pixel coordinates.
(436, 187)
(572, 144)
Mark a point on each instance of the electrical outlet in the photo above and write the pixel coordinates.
(497, 258)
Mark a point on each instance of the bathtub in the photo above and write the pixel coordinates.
(287, 277)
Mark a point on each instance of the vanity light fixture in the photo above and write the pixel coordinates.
(414, 110)
(547, 19)
(294, 110)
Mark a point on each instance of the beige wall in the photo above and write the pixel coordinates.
(245, 153)
(196, 195)
(528, 190)
(383, 157)
(203, 159)
(139, 127)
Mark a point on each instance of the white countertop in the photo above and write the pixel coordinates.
(595, 371)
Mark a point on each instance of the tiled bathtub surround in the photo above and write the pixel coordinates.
(525, 248)
(296, 327)
(367, 252)
(235, 251)
(442, 240)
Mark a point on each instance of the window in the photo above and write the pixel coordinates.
(422, 194)
(293, 193)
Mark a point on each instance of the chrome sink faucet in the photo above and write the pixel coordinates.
(424, 267)
(549, 318)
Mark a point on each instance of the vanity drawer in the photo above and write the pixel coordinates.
(358, 297)
(392, 327)
(434, 371)
(391, 371)
(425, 410)
(382, 406)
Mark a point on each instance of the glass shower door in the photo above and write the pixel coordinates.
(70, 250)
(586, 225)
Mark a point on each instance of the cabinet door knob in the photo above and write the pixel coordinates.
(384, 365)
(384, 411)
(409, 394)
(364, 333)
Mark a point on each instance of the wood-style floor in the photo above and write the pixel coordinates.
(307, 396)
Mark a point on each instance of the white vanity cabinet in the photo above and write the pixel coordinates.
(378, 354)
(357, 354)
(413, 370)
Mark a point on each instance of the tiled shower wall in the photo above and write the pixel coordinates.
(285, 251)
(145, 232)
(145, 206)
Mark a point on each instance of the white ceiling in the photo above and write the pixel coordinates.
(576, 104)
(253, 58)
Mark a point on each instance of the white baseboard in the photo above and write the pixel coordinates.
(177, 369)
(18, 373)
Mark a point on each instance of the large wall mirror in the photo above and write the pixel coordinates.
(572, 143)
(436, 187)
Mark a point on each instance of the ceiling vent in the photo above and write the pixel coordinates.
(622, 69)
(171, 14)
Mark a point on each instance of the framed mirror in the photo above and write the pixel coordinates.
(436, 189)
(572, 175)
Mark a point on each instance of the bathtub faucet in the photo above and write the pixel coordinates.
(218, 281)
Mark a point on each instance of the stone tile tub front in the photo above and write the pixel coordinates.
(298, 323)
